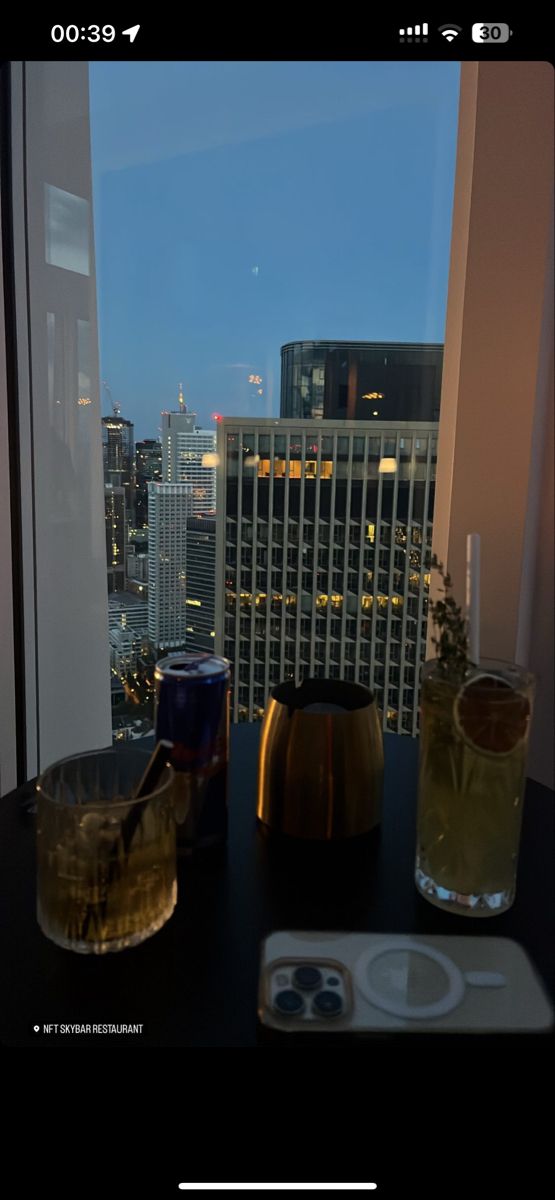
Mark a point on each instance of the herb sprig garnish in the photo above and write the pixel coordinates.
(452, 642)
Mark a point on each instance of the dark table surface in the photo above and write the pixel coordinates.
(195, 982)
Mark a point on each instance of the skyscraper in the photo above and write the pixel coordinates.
(323, 542)
(118, 450)
(184, 447)
(118, 460)
(148, 467)
(116, 536)
(361, 381)
(169, 506)
(201, 583)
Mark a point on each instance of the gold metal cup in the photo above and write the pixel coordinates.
(320, 769)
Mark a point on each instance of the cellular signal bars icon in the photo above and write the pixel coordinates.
(414, 33)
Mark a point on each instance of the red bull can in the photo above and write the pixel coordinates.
(192, 711)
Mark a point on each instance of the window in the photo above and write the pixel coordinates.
(305, 424)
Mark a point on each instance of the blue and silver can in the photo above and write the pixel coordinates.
(192, 711)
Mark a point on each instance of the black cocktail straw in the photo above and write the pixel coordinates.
(149, 782)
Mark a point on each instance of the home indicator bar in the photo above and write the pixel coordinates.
(278, 1187)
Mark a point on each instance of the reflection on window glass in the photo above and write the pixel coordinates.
(84, 363)
(66, 229)
(232, 454)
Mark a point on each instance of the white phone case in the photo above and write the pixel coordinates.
(377, 982)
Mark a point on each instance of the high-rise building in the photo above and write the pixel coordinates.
(169, 506)
(323, 542)
(118, 460)
(201, 583)
(186, 454)
(361, 381)
(148, 468)
(118, 450)
(116, 536)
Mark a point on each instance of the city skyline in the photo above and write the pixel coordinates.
(226, 229)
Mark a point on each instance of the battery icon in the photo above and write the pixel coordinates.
(488, 32)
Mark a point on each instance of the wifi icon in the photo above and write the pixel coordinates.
(449, 32)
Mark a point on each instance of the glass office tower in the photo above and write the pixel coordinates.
(148, 469)
(118, 455)
(116, 536)
(361, 381)
(201, 583)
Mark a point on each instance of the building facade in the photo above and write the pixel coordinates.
(148, 468)
(127, 609)
(118, 453)
(116, 536)
(186, 458)
(137, 567)
(125, 648)
(169, 506)
(361, 381)
(201, 583)
(322, 550)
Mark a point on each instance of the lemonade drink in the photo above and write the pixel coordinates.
(473, 745)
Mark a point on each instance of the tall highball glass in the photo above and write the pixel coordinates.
(473, 748)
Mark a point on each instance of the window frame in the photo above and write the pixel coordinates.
(478, 211)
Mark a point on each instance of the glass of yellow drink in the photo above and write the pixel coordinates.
(106, 863)
(473, 747)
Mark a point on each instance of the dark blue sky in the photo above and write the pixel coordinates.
(239, 206)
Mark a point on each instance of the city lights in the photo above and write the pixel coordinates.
(267, 546)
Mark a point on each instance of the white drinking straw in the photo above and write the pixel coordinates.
(473, 595)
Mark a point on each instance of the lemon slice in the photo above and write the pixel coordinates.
(490, 716)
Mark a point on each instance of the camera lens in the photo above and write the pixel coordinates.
(307, 978)
(288, 1002)
(328, 1004)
